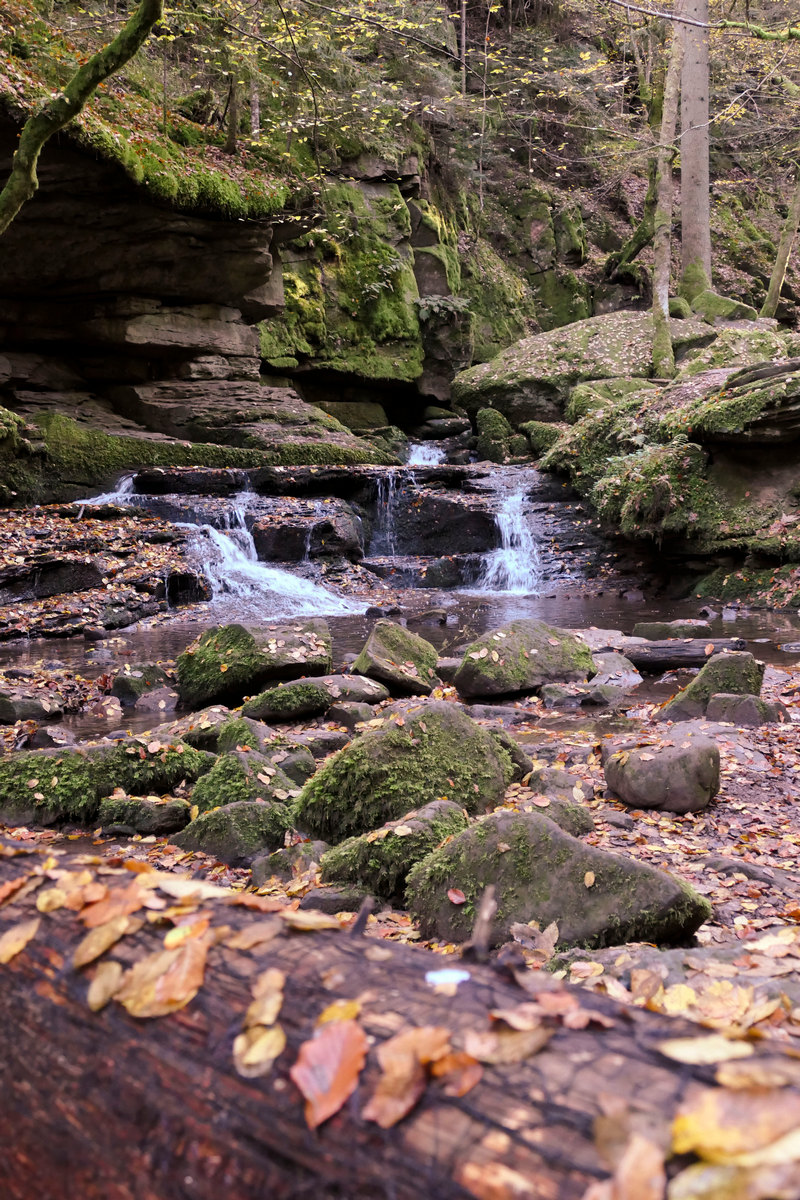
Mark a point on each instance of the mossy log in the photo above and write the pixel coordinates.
(672, 653)
(102, 1105)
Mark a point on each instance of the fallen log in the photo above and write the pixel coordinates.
(102, 1105)
(673, 653)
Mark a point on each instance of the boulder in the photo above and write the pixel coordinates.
(325, 529)
(615, 670)
(349, 713)
(744, 710)
(241, 775)
(287, 862)
(520, 657)
(294, 759)
(237, 833)
(532, 379)
(143, 814)
(399, 658)
(132, 682)
(540, 873)
(736, 673)
(567, 795)
(159, 700)
(227, 661)
(20, 704)
(310, 697)
(438, 752)
(680, 779)
(198, 729)
(380, 861)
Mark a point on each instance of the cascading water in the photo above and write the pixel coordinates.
(383, 543)
(231, 566)
(227, 558)
(514, 567)
(425, 454)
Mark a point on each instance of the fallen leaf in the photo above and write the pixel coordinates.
(309, 919)
(327, 1069)
(9, 889)
(106, 982)
(505, 1045)
(255, 1050)
(166, 980)
(458, 1072)
(402, 1080)
(588, 879)
(701, 1051)
(102, 938)
(456, 896)
(119, 902)
(747, 1126)
(339, 1010)
(254, 935)
(16, 938)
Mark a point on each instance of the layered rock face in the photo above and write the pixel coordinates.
(133, 318)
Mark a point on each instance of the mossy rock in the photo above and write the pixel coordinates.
(748, 711)
(380, 861)
(227, 661)
(658, 630)
(399, 658)
(679, 308)
(200, 729)
(239, 832)
(439, 752)
(540, 873)
(562, 790)
(713, 308)
(243, 733)
(144, 766)
(541, 435)
(737, 673)
(144, 814)
(287, 862)
(288, 701)
(242, 776)
(47, 788)
(131, 683)
(521, 657)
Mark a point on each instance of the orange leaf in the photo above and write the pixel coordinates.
(327, 1068)
(456, 896)
(120, 902)
(402, 1082)
(13, 885)
(459, 1072)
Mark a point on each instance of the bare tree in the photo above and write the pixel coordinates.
(788, 234)
(663, 357)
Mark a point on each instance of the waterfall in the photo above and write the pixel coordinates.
(383, 540)
(122, 493)
(230, 563)
(425, 454)
(515, 566)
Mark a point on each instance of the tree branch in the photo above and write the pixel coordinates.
(62, 108)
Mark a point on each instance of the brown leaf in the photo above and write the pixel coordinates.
(119, 902)
(505, 1045)
(456, 896)
(9, 889)
(327, 1069)
(16, 938)
(105, 984)
(166, 980)
(102, 938)
(748, 1126)
(402, 1081)
(254, 935)
(309, 919)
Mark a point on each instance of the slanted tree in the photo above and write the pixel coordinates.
(788, 234)
(53, 114)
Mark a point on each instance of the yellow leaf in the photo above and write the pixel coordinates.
(16, 938)
(588, 879)
(748, 1126)
(51, 899)
(402, 830)
(701, 1051)
(307, 920)
(339, 1010)
(255, 1050)
(677, 999)
(105, 984)
(102, 938)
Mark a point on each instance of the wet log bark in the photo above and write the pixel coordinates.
(653, 657)
(106, 1107)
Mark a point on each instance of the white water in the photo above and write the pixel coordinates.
(228, 560)
(383, 542)
(515, 566)
(425, 454)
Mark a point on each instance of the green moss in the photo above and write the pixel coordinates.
(288, 701)
(238, 832)
(141, 771)
(53, 787)
(381, 863)
(500, 301)
(438, 754)
(223, 661)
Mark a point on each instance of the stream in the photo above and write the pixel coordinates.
(526, 573)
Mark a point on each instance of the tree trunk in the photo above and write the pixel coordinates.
(788, 234)
(57, 112)
(695, 202)
(232, 133)
(663, 356)
(654, 657)
(104, 1106)
(616, 263)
